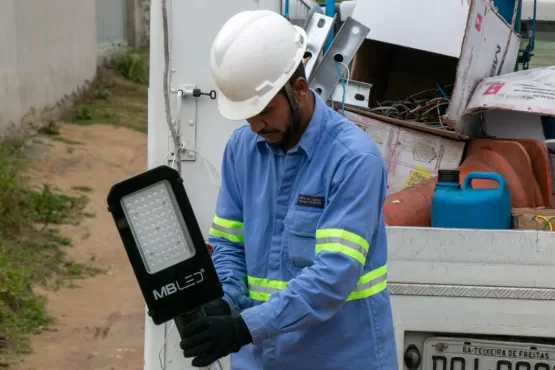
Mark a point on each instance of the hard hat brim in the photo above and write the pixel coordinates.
(240, 111)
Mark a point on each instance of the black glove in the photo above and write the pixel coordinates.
(211, 338)
(217, 308)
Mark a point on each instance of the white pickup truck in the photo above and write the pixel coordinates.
(462, 299)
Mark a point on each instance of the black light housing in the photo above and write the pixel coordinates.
(164, 244)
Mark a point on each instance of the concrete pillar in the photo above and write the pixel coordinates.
(138, 19)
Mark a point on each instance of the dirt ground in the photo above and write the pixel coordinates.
(100, 323)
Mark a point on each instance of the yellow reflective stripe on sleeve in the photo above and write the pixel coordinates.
(342, 241)
(261, 289)
(369, 284)
(228, 229)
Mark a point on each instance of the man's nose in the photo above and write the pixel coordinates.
(257, 125)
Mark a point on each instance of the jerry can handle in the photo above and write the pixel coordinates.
(478, 175)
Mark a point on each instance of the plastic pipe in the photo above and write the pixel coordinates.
(330, 12)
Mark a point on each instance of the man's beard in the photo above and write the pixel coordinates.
(287, 134)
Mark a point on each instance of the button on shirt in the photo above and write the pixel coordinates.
(300, 248)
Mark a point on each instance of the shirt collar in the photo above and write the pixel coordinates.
(311, 136)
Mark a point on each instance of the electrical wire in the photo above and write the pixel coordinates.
(348, 70)
(166, 88)
(206, 161)
(547, 221)
(344, 88)
(428, 107)
(344, 82)
(215, 366)
(442, 92)
(162, 365)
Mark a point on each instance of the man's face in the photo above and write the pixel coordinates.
(273, 124)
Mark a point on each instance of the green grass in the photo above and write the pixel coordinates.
(131, 64)
(83, 189)
(118, 95)
(31, 250)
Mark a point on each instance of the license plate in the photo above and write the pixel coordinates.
(444, 353)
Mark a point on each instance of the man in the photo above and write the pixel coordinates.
(299, 237)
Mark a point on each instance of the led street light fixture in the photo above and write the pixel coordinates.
(164, 243)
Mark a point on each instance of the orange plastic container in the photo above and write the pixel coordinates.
(412, 206)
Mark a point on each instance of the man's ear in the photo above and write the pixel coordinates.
(300, 89)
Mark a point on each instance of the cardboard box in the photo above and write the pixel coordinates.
(408, 23)
(411, 156)
(489, 48)
(529, 91)
(542, 219)
(511, 104)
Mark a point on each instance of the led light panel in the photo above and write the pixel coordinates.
(158, 227)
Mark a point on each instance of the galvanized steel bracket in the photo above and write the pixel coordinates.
(357, 94)
(317, 29)
(186, 120)
(343, 49)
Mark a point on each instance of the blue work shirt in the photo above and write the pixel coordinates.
(300, 247)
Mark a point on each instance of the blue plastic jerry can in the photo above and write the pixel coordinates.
(465, 207)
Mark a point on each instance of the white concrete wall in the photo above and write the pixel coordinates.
(47, 50)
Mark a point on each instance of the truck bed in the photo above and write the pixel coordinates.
(439, 279)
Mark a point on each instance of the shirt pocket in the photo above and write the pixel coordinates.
(301, 236)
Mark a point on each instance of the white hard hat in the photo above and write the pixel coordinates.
(253, 56)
